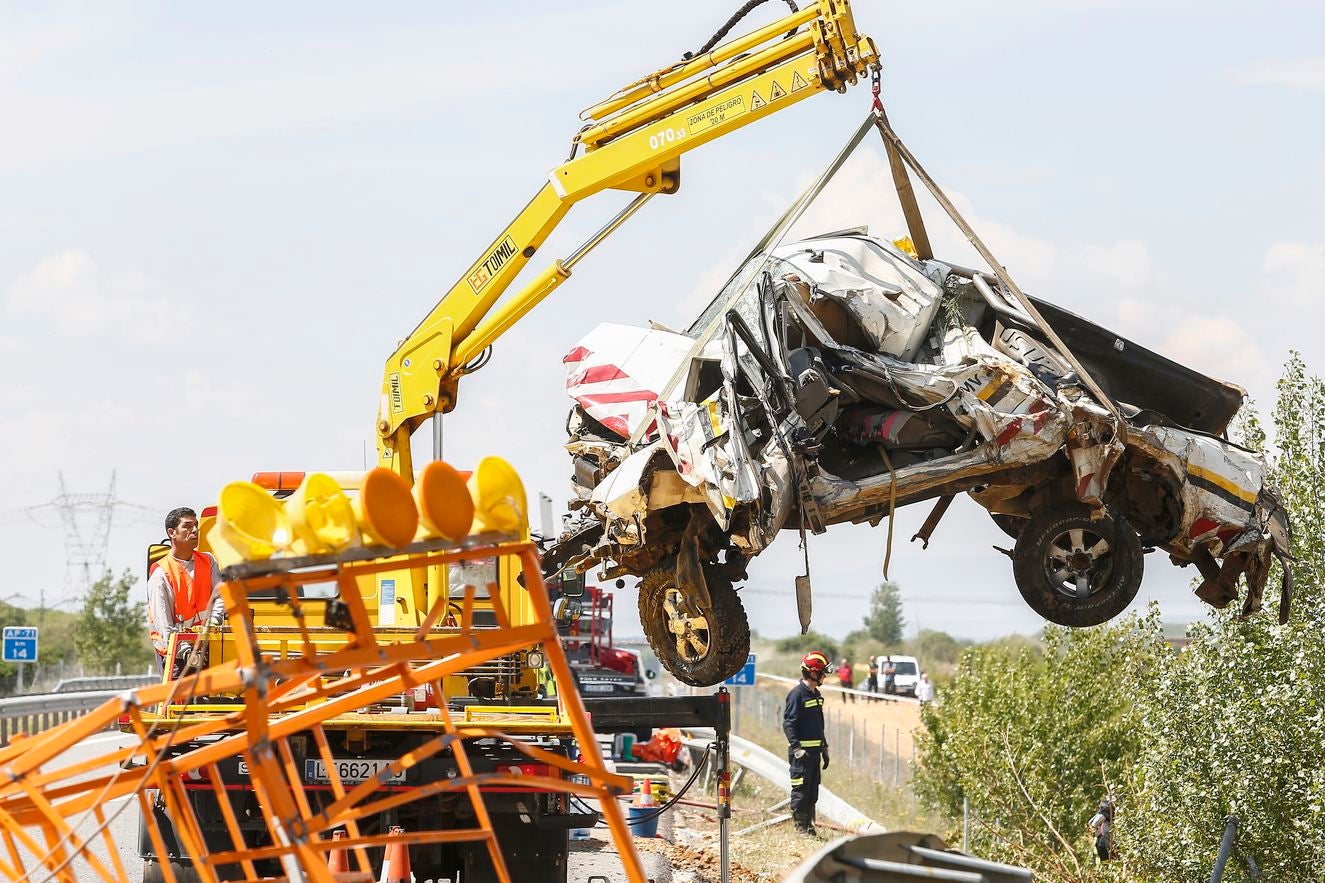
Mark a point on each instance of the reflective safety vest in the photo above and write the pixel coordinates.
(190, 593)
(803, 718)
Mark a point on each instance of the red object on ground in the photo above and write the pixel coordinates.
(662, 748)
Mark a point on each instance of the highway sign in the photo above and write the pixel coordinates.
(20, 644)
(746, 676)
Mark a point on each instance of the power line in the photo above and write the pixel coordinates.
(86, 519)
(906, 599)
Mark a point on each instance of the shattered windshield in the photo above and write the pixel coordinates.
(735, 287)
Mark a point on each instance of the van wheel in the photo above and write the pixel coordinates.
(699, 647)
(1075, 570)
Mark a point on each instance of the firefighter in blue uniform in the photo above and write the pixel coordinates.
(807, 746)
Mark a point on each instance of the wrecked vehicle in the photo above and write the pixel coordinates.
(839, 377)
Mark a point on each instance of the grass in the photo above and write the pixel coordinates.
(770, 853)
(896, 808)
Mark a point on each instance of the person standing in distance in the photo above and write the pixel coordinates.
(807, 743)
(847, 678)
(925, 689)
(1102, 825)
(181, 589)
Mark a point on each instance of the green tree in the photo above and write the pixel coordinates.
(802, 644)
(58, 629)
(112, 629)
(884, 622)
(859, 645)
(933, 647)
(1230, 726)
(1233, 724)
(1035, 740)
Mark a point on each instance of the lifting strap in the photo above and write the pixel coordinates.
(717, 309)
(891, 140)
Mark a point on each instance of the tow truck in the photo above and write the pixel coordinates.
(601, 668)
(632, 142)
(365, 742)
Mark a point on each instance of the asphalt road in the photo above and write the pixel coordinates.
(597, 857)
(123, 827)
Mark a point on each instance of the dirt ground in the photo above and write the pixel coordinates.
(768, 854)
(758, 857)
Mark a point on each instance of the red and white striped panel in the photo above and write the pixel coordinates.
(616, 371)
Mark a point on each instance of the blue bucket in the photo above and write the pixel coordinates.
(643, 820)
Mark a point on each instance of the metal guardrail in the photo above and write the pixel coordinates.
(32, 714)
(110, 682)
(901, 857)
(864, 694)
(769, 766)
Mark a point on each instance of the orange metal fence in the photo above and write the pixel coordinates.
(54, 806)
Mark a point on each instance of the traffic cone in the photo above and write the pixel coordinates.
(395, 869)
(338, 859)
(644, 813)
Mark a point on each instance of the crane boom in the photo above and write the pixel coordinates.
(633, 142)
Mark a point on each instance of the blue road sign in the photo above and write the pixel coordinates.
(20, 644)
(746, 676)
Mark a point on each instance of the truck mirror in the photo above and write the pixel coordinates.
(572, 583)
(566, 610)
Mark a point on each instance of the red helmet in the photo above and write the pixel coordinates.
(814, 661)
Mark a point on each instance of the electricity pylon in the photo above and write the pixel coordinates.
(86, 519)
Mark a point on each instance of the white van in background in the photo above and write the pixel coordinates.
(907, 676)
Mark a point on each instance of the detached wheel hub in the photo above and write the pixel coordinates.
(690, 631)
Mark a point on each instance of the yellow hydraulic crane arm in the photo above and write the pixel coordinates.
(633, 142)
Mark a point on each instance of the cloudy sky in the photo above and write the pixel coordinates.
(218, 220)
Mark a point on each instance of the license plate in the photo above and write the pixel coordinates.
(598, 688)
(351, 772)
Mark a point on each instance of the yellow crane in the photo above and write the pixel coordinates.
(632, 142)
(303, 711)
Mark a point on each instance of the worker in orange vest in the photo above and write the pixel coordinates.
(181, 589)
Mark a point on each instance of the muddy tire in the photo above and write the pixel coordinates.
(1074, 570)
(699, 648)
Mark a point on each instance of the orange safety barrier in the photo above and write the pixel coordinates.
(56, 805)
